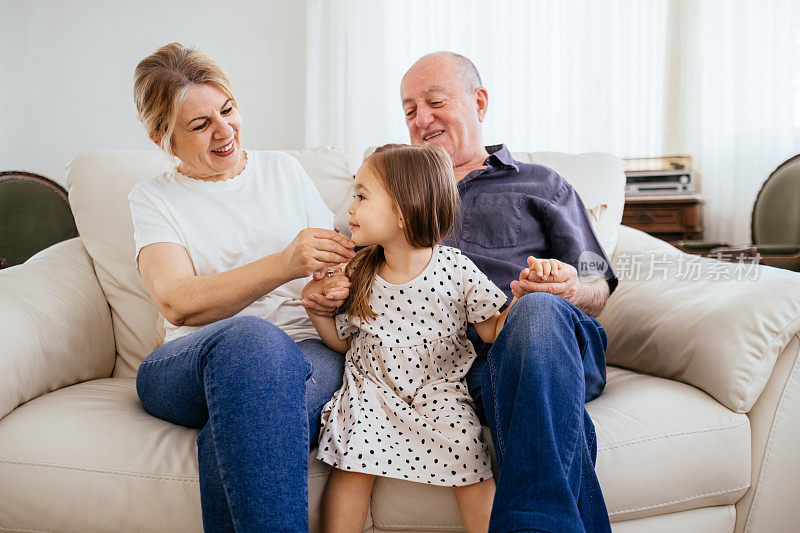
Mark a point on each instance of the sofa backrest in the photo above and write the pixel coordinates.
(99, 183)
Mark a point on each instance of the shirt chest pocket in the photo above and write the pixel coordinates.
(493, 220)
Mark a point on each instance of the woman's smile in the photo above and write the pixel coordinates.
(226, 150)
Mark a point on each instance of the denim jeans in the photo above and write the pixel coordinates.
(256, 397)
(531, 388)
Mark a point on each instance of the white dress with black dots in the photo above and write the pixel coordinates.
(404, 410)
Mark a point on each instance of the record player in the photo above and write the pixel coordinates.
(659, 182)
(659, 176)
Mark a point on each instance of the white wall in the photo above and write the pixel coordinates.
(66, 71)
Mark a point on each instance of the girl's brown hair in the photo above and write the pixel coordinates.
(421, 182)
(160, 84)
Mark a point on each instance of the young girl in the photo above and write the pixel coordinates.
(404, 410)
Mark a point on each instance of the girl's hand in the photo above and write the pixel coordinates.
(323, 296)
(315, 249)
(547, 275)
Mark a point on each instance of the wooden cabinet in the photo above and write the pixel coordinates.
(670, 218)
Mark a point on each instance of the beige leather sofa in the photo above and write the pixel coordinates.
(697, 428)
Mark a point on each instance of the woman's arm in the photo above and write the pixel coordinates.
(490, 329)
(186, 299)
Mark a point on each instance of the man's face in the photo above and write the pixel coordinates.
(441, 110)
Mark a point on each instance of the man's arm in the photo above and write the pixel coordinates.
(591, 297)
(561, 279)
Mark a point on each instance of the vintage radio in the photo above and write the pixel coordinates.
(659, 182)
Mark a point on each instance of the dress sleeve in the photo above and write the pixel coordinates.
(344, 328)
(481, 297)
(150, 224)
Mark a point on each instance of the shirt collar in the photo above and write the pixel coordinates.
(500, 157)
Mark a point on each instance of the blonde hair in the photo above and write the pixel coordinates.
(160, 84)
(420, 180)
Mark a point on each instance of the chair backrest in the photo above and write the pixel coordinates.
(34, 214)
(776, 211)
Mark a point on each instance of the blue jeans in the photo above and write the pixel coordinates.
(531, 388)
(256, 397)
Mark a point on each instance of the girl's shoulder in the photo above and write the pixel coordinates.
(448, 253)
(453, 257)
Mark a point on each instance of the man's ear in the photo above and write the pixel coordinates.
(481, 102)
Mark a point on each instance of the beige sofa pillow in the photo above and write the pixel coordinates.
(99, 183)
(716, 325)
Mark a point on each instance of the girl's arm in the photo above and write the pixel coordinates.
(488, 330)
(326, 327)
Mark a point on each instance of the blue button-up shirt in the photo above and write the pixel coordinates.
(511, 210)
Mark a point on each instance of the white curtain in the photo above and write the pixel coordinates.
(718, 80)
(739, 107)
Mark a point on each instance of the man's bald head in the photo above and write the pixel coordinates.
(462, 65)
(444, 104)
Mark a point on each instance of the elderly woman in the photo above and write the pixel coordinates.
(224, 242)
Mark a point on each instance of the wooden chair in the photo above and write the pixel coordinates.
(774, 224)
(34, 214)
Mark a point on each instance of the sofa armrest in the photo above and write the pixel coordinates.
(714, 325)
(55, 325)
(770, 504)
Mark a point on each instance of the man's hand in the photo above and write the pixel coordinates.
(547, 275)
(324, 294)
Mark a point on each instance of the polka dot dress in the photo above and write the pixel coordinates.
(404, 410)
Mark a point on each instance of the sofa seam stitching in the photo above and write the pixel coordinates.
(724, 491)
(779, 413)
(163, 477)
(640, 440)
(426, 526)
(124, 473)
(681, 500)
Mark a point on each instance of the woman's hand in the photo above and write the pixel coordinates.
(323, 296)
(315, 249)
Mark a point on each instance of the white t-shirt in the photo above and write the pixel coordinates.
(227, 224)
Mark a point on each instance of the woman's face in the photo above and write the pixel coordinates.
(206, 137)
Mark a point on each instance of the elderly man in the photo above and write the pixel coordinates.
(530, 385)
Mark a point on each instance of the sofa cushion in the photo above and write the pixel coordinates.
(89, 458)
(665, 446)
(99, 183)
